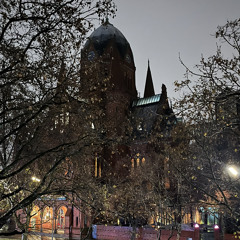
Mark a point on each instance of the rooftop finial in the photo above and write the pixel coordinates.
(108, 11)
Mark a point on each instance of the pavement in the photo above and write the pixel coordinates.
(16, 236)
(35, 236)
(39, 236)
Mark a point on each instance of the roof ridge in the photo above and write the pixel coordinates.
(146, 100)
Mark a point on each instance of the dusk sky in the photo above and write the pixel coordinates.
(160, 30)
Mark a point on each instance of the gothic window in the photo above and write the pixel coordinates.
(105, 72)
(85, 220)
(47, 214)
(132, 161)
(137, 161)
(68, 168)
(61, 217)
(97, 167)
(62, 120)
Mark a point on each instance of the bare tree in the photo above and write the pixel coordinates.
(210, 109)
(40, 45)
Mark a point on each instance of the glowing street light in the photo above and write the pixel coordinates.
(35, 179)
(233, 171)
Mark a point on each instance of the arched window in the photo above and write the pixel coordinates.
(97, 167)
(61, 217)
(137, 161)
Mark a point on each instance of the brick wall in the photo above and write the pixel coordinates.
(231, 237)
(124, 233)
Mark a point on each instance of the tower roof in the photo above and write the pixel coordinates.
(149, 89)
(103, 34)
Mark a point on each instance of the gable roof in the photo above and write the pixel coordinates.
(146, 100)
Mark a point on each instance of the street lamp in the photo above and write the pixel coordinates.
(216, 227)
(35, 179)
(196, 225)
(233, 171)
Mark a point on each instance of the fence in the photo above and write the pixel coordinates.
(102, 232)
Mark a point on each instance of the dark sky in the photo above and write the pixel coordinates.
(160, 30)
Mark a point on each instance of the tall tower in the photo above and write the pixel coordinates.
(108, 72)
(108, 81)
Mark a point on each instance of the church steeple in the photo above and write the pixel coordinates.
(149, 89)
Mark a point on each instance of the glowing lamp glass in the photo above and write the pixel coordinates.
(196, 225)
(216, 227)
(233, 171)
(35, 179)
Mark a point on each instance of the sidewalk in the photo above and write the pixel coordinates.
(35, 236)
(41, 236)
(44, 235)
(12, 237)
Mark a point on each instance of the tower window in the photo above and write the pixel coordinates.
(98, 167)
(62, 119)
(132, 161)
(139, 128)
(137, 161)
(105, 72)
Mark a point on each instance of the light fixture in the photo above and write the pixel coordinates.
(233, 171)
(35, 179)
(196, 225)
(216, 227)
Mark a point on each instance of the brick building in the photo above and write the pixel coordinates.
(128, 122)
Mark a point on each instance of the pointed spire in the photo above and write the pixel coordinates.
(149, 88)
(62, 81)
(106, 22)
(62, 73)
(108, 11)
(164, 92)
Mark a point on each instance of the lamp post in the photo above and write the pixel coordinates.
(234, 186)
(196, 231)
